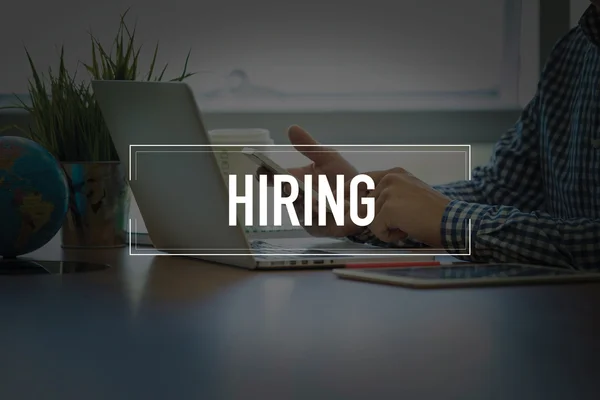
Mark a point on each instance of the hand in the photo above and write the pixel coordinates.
(330, 229)
(406, 206)
(325, 161)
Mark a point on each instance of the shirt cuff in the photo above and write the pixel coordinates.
(455, 225)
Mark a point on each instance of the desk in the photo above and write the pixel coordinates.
(174, 328)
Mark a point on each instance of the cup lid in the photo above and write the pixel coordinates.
(240, 136)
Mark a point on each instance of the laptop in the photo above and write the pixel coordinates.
(160, 137)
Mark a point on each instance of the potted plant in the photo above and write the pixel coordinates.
(66, 119)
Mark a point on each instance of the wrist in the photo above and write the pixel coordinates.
(455, 231)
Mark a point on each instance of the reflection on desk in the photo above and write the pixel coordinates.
(172, 327)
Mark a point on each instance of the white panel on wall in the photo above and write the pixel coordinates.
(530, 51)
(284, 55)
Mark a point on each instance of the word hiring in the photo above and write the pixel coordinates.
(325, 196)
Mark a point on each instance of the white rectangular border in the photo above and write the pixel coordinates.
(408, 253)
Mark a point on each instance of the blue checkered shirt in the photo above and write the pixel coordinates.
(537, 201)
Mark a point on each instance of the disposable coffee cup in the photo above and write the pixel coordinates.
(232, 161)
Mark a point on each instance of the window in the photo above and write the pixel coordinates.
(273, 55)
(380, 55)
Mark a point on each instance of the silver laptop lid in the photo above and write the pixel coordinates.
(179, 189)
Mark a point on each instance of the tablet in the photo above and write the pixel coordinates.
(467, 274)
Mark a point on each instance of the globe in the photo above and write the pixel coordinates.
(33, 196)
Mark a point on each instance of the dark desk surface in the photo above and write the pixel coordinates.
(167, 328)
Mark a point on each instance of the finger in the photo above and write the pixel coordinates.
(331, 228)
(380, 200)
(362, 189)
(383, 228)
(391, 180)
(396, 236)
(358, 205)
(378, 176)
(381, 197)
(328, 230)
(340, 231)
(308, 146)
(348, 226)
(300, 172)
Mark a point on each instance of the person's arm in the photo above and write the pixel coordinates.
(504, 200)
(511, 177)
(507, 234)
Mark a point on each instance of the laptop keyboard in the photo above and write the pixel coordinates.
(260, 247)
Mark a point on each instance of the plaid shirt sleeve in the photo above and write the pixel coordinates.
(512, 229)
(510, 177)
(503, 202)
(507, 234)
